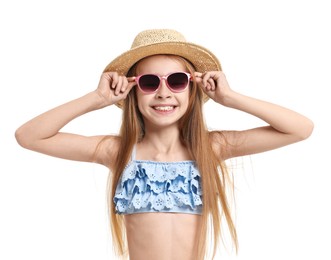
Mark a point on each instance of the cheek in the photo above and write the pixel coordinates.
(186, 97)
(141, 99)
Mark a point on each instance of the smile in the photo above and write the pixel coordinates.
(164, 108)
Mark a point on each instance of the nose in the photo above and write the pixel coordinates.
(163, 91)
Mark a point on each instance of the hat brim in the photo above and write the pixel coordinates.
(202, 59)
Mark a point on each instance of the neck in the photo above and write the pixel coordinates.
(164, 140)
(163, 145)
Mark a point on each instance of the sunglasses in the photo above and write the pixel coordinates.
(176, 82)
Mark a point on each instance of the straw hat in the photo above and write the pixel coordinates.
(164, 41)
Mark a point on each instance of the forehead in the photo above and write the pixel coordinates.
(160, 64)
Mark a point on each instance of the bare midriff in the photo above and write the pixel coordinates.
(162, 236)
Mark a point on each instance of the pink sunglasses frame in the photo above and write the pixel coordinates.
(189, 77)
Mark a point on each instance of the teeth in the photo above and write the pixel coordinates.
(167, 108)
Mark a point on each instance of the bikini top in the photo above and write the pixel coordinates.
(150, 186)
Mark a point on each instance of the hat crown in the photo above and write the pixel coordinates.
(149, 37)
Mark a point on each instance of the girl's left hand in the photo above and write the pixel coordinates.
(214, 84)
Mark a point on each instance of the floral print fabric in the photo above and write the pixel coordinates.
(148, 186)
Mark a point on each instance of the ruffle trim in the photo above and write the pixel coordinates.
(148, 186)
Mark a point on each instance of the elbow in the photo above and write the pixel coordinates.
(21, 138)
(306, 130)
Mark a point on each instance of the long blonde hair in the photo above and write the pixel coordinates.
(194, 134)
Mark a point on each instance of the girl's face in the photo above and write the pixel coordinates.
(163, 107)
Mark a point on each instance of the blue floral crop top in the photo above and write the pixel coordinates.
(149, 186)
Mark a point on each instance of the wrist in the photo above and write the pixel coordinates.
(229, 98)
(98, 100)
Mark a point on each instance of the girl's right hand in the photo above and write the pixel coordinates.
(113, 88)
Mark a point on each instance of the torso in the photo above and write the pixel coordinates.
(162, 236)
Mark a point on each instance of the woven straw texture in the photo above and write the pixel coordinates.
(164, 41)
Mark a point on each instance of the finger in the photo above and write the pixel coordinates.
(205, 79)
(128, 87)
(119, 86)
(128, 82)
(114, 78)
(211, 84)
(197, 77)
(124, 84)
(131, 79)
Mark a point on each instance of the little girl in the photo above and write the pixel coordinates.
(168, 178)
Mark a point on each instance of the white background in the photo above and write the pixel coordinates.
(54, 51)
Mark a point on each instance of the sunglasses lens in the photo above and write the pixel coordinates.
(149, 83)
(178, 81)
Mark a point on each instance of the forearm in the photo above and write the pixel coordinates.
(49, 123)
(280, 118)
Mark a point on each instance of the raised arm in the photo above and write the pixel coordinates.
(42, 133)
(285, 126)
